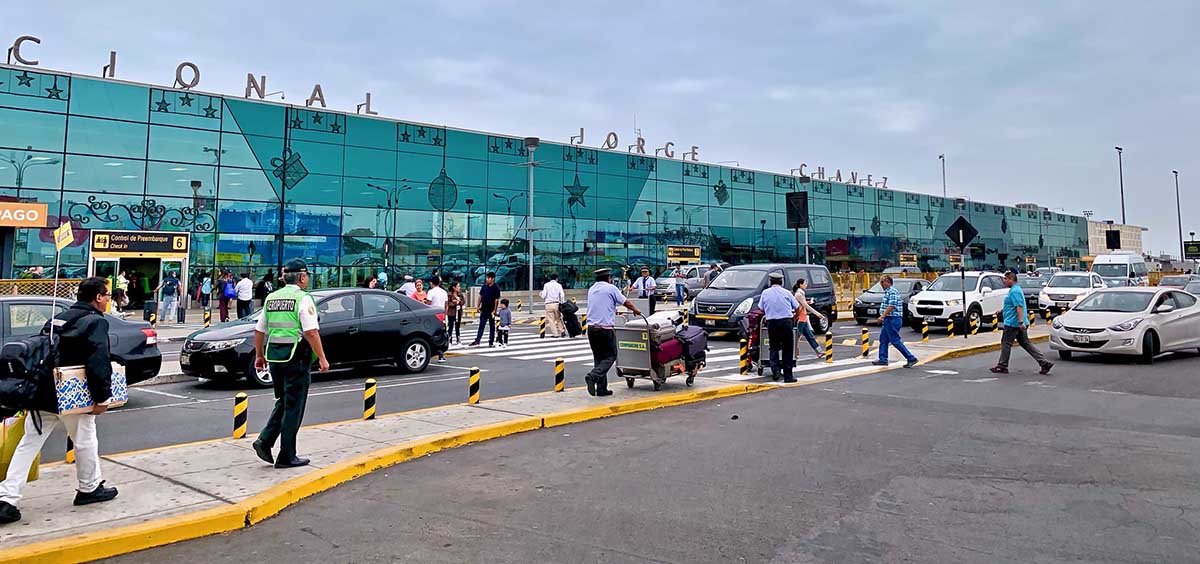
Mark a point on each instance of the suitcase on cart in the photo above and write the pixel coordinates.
(660, 325)
(695, 342)
(668, 350)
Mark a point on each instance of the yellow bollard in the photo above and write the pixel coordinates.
(369, 400)
(866, 342)
(584, 323)
(153, 319)
(70, 458)
(828, 347)
(683, 312)
(743, 358)
(924, 331)
(975, 326)
(1047, 314)
(473, 386)
(542, 328)
(560, 374)
(520, 304)
(1032, 318)
(950, 330)
(995, 324)
(240, 405)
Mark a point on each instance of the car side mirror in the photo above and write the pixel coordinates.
(1164, 308)
(985, 290)
(1098, 285)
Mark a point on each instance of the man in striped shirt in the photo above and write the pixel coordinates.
(891, 319)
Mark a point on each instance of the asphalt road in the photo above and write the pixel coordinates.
(1094, 463)
(192, 411)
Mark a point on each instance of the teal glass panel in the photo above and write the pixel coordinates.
(370, 133)
(104, 174)
(93, 136)
(30, 169)
(32, 90)
(366, 222)
(370, 163)
(466, 172)
(236, 151)
(184, 145)
(248, 217)
(465, 144)
(253, 118)
(236, 250)
(317, 189)
(612, 163)
(301, 219)
(319, 158)
(21, 129)
(112, 100)
(179, 179)
(247, 184)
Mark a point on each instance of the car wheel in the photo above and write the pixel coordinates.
(415, 356)
(1149, 348)
(258, 379)
(1065, 355)
(819, 327)
(974, 318)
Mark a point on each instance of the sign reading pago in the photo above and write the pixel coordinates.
(22, 214)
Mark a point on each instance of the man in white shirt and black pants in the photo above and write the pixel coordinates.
(553, 293)
(437, 297)
(645, 288)
(245, 296)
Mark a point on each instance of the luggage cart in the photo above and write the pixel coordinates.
(635, 358)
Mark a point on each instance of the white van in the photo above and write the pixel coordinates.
(1122, 268)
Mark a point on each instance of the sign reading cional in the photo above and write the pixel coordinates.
(147, 244)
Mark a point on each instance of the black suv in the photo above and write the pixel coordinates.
(722, 305)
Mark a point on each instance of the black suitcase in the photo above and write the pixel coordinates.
(572, 324)
(149, 307)
(695, 341)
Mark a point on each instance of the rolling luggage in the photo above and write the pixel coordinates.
(695, 342)
(661, 325)
(668, 350)
(572, 324)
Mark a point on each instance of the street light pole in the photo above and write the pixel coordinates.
(531, 143)
(942, 158)
(1121, 178)
(1178, 214)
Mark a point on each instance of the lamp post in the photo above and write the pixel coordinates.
(508, 201)
(392, 196)
(470, 202)
(28, 161)
(1121, 179)
(531, 144)
(942, 158)
(1178, 214)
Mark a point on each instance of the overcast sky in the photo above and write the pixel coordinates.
(1026, 99)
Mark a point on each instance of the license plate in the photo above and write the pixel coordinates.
(872, 311)
(930, 319)
(710, 322)
(1082, 338)
(1064, 304)
(185, 359)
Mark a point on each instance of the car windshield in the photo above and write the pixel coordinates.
(1116, 282)
(1032, 281)
(1120, 302)
(1193, 287)
(1113, 270)
(1069, 281)
(1177, 281)
(902, 286)
(739, 280)
(953, 283)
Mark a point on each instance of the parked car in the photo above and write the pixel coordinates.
(1122, 268)
(1178, 281)
(902, 270)
(1129, 321)
(941, 303)
(733, 293)
(1048, 271)
(358, 327)
(866, 305)
(133, 344)
(693, 279)
(1066, 289)
(1032, 286)
(1193, 288)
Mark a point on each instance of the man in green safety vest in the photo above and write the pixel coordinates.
(287, 339)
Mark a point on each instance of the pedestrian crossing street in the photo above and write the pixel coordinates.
(722, 358)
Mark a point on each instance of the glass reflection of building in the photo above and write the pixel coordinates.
(355, 187)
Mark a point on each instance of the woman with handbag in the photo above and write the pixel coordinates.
(82, 333)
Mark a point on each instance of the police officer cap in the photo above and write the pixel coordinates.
(294, 266)
(602, 271)
(776, 277)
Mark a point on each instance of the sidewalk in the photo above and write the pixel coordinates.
(192, 490)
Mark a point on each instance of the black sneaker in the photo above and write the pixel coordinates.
(263, 453)
(9, 513)
(910, 363)
(98, 495)
(604, 393)
(591, 386)
(293, 463)
(789, 380)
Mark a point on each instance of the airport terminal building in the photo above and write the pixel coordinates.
(253, 182)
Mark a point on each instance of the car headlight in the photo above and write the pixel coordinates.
(1126, 325)
(222, 345)
(1057, 323)
(744, 307)
(858, 302)
(953, 303)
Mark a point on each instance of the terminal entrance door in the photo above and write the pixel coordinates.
(145, 257)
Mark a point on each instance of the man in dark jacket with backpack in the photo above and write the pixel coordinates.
(82, 334)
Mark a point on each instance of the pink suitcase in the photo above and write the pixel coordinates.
(668, 351)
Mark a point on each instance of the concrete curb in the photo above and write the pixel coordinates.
(123, 540)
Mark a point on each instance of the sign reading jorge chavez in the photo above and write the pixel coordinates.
(150, 244)
(22, 214)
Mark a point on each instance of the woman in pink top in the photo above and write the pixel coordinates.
(803, 327)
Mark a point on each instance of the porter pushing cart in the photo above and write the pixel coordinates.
(658, 347)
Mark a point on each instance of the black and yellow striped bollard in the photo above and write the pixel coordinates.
(473, 386)
(683, 312)
(924, 331)
(950, 329)
(995, 323)
(1047, 314)
(542, 328)
(828, 347)
(1032, 318)
(560, 374)
(207, 318)
(520, 304)
(866, 342)
(585, 323)
(241, 402)
(975, 326)
(70, 457)
(743, 357)
(369, 400)
(153, 319)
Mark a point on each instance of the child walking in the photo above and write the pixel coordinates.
(505, 324)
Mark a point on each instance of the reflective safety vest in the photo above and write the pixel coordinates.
(282, 308)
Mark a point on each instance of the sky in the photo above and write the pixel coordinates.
(1026, 99)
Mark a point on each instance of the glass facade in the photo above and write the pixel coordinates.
(360, 191)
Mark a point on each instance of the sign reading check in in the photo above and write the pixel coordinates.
(22, 214)
(147, 244)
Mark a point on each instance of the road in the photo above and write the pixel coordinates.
(1094, 463)
(190, 411)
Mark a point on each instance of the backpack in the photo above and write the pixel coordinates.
(230, 290)
(170, 287)
(23, 364)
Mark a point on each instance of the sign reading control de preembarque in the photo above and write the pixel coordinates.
(146, 244)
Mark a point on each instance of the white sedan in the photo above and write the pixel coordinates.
(1143, 321)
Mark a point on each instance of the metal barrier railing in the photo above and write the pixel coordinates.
(848, 285)
(40, 287)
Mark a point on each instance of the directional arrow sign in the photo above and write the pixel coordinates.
(961, 232)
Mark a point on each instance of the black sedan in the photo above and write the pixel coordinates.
(133, 344)
(1032, 286)
(866, 305)
(359, 327)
